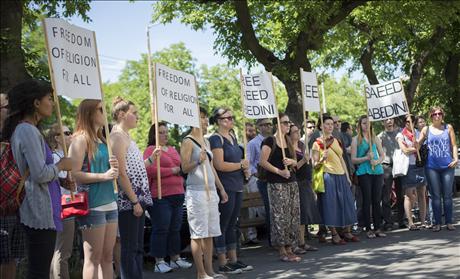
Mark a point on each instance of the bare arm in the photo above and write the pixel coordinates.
(404, 148)
(186, 154)
(378, 143)
(453, 142)
(354, 152)
(220, 164)
(77, 151)
(422, 136)
(263, 162)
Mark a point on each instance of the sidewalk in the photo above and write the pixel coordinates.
(402, 254)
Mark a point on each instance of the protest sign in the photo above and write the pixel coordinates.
(386, 100)
(73, 59)
(309, 88)
(177, 98)
(258, 96)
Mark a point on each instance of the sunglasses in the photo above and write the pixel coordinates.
(437, 114)
(286, 122)
(68, 133)
(229, 118)
(311, 127)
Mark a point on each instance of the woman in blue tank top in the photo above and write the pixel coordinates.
(440, 166)
(95, 172)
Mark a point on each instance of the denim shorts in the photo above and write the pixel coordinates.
(97, 219)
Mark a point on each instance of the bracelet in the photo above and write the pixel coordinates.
(241, 166)
(150, 160)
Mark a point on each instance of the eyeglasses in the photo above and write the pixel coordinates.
(68, 133)
(311, 127)
(229, 118)
(266, 125)
(437, 114)
(4, 106)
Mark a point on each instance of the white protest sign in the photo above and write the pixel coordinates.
(73, 57)
(177, 100)
(258, 96)
(386, 100)
(310, 91)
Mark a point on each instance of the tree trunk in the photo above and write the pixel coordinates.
(13, 70)
(294, 108)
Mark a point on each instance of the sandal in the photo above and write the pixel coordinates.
(413, 228)
(370, 234)
(436, 228)
(338, 242)
(307, 247)
(284, 258)
(294, 258)
(353, 238)
(450, 227)
(299, 251)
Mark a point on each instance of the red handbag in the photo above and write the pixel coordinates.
(76, 207)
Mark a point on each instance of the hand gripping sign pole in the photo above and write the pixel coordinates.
(280, 133)
(205, 170)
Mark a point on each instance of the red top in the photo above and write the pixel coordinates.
(170, 184)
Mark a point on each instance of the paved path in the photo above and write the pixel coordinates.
(402, 254)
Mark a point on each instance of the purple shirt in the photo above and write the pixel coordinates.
(55, 193)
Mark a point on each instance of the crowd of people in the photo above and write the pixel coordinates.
(329, 177)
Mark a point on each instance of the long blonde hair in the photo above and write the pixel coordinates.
(85, 114)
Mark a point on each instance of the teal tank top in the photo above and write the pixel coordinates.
(366, 167)
(99, 193)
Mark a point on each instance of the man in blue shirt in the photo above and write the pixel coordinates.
(265, 128)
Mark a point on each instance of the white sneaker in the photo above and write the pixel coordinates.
(162, 267)
(180, 263)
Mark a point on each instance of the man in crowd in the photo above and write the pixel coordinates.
(250, 130)
(389, 145)
(265, 128)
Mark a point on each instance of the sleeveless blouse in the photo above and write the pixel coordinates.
(439, 150)
(137, 174)
(195, 178)
(366, 167)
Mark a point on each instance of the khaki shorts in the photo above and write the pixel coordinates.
(202, 214)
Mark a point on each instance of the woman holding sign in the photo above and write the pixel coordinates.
(202, 206)
(31, 102)
(95, 171)
(440, 168)
(336, 204)
(165, 213)
(283, 191)
(229, 164)
(134, 196)
(370, 174)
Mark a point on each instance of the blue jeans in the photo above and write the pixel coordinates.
(262, 186)
(166, 218)
(440, 186)
(132, 244)
(229, 213)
